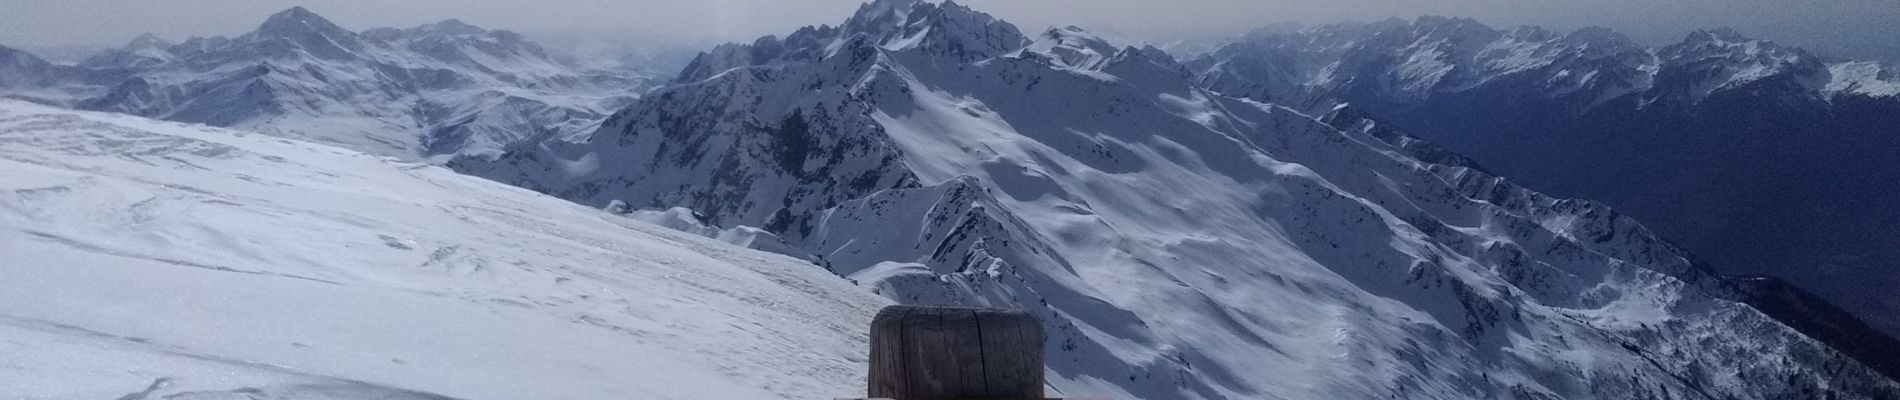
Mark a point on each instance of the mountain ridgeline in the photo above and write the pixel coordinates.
(1181, 236)
(432, 91)
(1762, 158)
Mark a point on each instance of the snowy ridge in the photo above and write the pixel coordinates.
(1179, 243)
(1865, 78)
(1410, 61)
(685, 220)
(1723, 59)
(435, 90)
(949, 31)
(1404, 61)
(1074, 47)
(152, 259)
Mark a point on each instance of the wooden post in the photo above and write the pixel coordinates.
(929, 353)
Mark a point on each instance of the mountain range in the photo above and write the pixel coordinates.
(1181, 242)
(433, 91)
(1764, 158)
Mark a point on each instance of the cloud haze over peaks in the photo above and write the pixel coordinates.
(1846, 28)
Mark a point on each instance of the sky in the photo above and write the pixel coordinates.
(1857, 29)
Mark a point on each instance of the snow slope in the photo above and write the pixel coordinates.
(150, 259)
(1179, 243)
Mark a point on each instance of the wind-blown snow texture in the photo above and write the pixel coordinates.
(149, 259)
(1763, 158)
(1179, 243)
(436, 90)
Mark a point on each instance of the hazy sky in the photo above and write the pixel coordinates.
(1852, 28)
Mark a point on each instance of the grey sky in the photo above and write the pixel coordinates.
(1851, 28)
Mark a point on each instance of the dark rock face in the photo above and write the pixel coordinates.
(714, 148)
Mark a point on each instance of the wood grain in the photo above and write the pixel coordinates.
(955, 353)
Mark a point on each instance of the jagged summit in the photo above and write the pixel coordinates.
(298, 21)
(1728, 42)
(942, 31)
(881, 15)
(1074, 46)
(947, 29)
(1725, 59)
(296, 32)
(1079, 49)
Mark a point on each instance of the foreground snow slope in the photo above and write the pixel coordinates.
(147, 259)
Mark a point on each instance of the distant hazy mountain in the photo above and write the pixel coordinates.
(440, 89)
(1761, 158)
(1180, 242)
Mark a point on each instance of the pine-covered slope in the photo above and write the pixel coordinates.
(1178, 242)
(435, 90)
(1761, 157)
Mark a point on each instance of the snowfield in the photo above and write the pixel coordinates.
(149, 259)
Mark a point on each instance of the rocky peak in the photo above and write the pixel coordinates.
(297, 32)
(452, 27)
(147, 41)
(881, 15)
(299, 22)
(1749, 58)
(948, 29)
(1073, 47)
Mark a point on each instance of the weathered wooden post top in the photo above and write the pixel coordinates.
(939, 353)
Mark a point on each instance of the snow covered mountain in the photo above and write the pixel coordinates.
(1763, 158)
(436, 90)
(150, 259)
(1178, 242)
